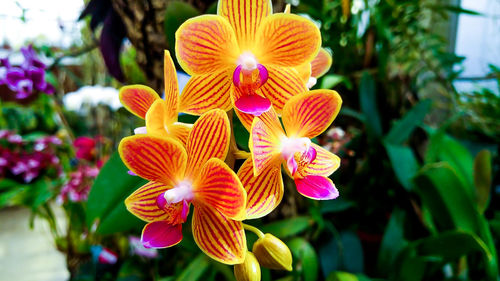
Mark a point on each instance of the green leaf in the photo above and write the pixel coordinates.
(402, 129)
(331, 80)
(482, 178)
(392, 242)
(195, 270)
(177, 12)
(306, 260)
(343, 252)
(106, 199)
(403, 162)
(444, 148)
(342, 276)
(287, 227)
(458, 9)
(368, 104)
(445, 195)
(8, 183)
(334, 206)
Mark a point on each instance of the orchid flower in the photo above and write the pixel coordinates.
(244, 55)
(320, 65)
(161, 115)
(305, 116)
(179, 177)
(310, 72)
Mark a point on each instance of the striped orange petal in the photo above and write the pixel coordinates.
(220, 238)
(324, 164)
(161, 234)
(171, 88)
(180, 131)
(205, 92)
(143, 204)
(304, 71)
(321, 63)
(264, 192)
(245, 16)
(209, 138)
(282, 84)
(246, 119)
(156, 159)
(206, 43)
(287, 40)
(157, 119)
(218, 187)
(138, 99)
(310, 113)
(265, 141)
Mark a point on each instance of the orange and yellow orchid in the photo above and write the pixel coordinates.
(161, 115)
(305, 116)
(180, 176)
(310, 72)
(245, 56)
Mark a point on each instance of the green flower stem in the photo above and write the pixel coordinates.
(253, 229)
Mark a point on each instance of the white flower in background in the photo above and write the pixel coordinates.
(95, 95)
(92, 95)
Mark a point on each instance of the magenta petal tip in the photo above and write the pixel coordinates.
(160, 234)
(253, 104)
(317, 187)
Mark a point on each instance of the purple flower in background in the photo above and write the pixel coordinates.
(26, 79)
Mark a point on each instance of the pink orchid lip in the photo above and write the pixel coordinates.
(253, 104)
(316, 187)
(161, 234)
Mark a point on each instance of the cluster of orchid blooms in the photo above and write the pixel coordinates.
(26, 160)
(27, 79)
(261, 65)
(77, 187)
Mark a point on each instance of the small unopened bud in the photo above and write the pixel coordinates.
(272, 253)
(249, 270)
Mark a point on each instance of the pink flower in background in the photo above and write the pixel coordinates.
(85, 148)
(78, 186)
(27, 160)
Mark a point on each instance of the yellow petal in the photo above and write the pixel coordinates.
(206, 92)
(282, 84)
(321, 63)
(179, 131)
(265, 191)
(310, 113)
(218, 187)
(205, 44)
(142, 203)
(138, 99)
(245, 17)
(171, 84)
(156, 159)
(209, 138)
(220, 238)
(287, 40)
(265, 140)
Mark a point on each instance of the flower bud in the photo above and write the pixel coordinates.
(249, 270)
(272, 253)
